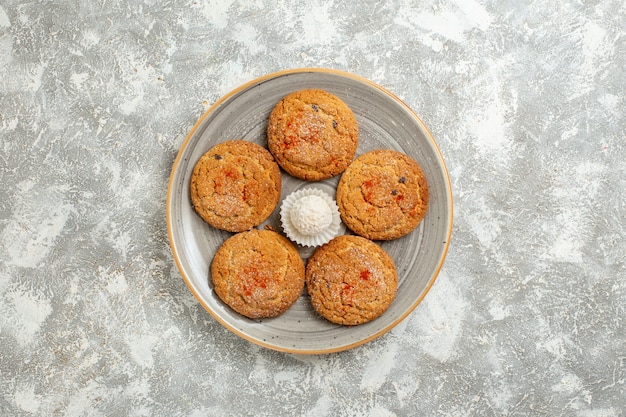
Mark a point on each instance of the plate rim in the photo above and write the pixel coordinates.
(170, 225)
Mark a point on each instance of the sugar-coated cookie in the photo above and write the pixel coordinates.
(351, 280)
(312, 134)
(382, 195)
(236, 185)
(258, 273)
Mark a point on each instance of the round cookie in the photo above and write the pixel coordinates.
(312, 134)
(235, 186)
(382, 195)
(258, 273)
(351, 280)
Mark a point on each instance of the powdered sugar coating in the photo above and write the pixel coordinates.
(310, 217)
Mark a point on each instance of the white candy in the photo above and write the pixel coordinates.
(311, 215)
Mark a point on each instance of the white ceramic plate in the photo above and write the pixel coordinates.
(384, 122)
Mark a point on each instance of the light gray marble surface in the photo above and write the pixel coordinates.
(526, 100)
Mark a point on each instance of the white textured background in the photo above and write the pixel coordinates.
(526, 100)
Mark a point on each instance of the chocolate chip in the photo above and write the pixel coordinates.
(402, 180)
(218, 157)
(394, 192)
(315, 107)
(334, 124)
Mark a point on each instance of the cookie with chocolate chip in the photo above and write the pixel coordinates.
(351, 280)
(312, 134)
(235, 185)
(382, 195)
(258, 273)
